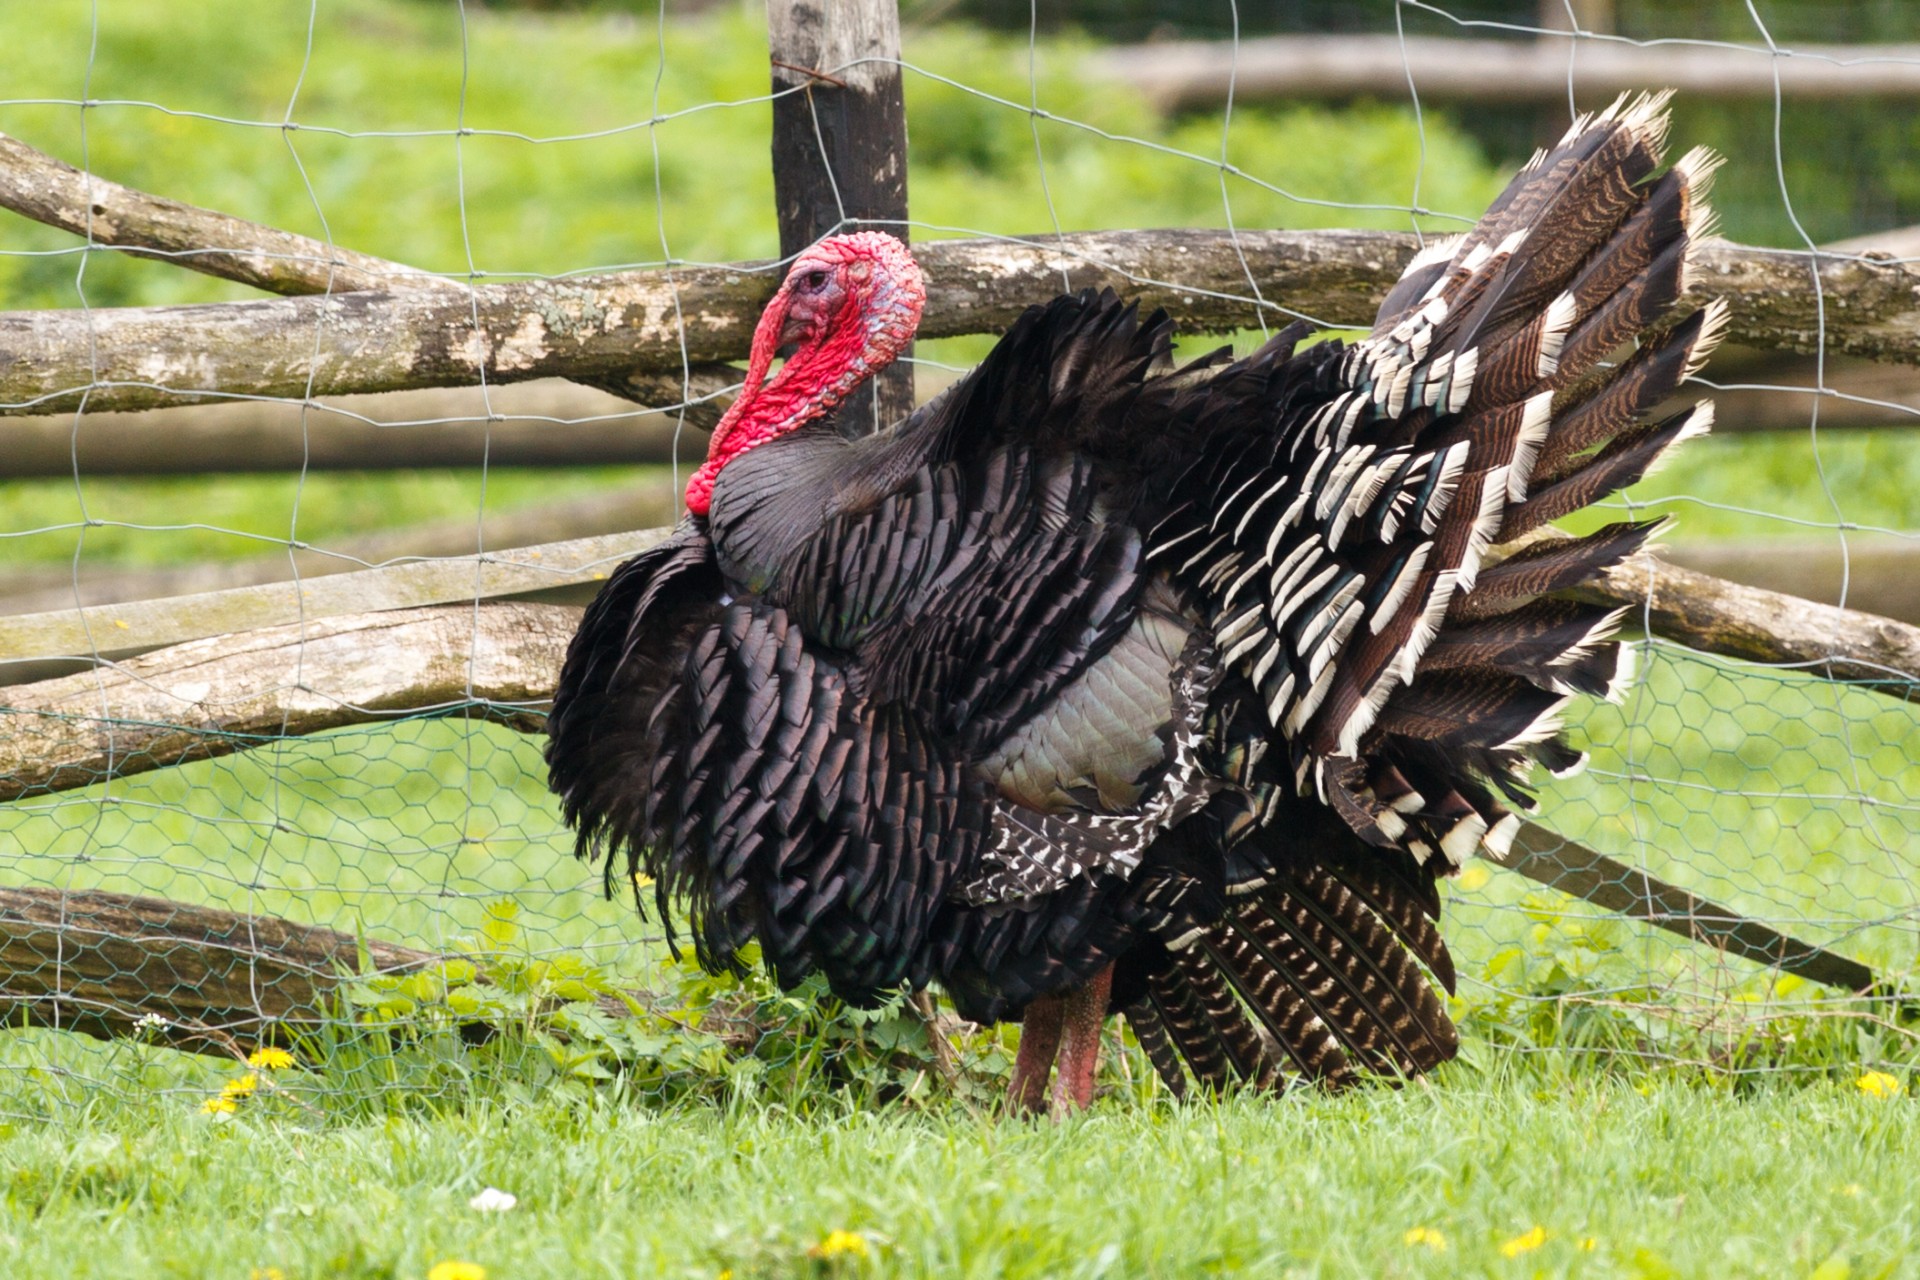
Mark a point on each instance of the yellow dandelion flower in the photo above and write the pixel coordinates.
(1878, 1084)
(1588, 1244)
(268, 1058)
(641, 880)
(240, 1086)
(841, 1244)
(1428, 1236)
(266, 1273)
(219, 1106)
(1525, 1243)
(453, 1269)
(1473, 877)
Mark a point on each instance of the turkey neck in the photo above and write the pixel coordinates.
(771, 499)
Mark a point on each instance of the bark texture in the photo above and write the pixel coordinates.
(549, 423)
(596, 328)
(840, 147)
(1574, 869)
(1717, 616)
(218, 982)
(39, 186)
(1177, 75)
(120, 630)
(214, 697)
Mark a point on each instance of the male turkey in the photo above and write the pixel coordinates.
(1100, 685)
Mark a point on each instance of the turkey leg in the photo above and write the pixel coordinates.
(1061, 1030)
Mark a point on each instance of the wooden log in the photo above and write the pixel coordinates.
(56, 587)
(613, 325)
(197, 978)
(49, 190)
(216, 696)
(39, 186)
(549, 423)
(1716, 616)
(840, 147)
(1552, 860)
(1882, 572)
(28, 642)
(1184, 75)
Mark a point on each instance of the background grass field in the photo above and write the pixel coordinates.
(1736, 1138)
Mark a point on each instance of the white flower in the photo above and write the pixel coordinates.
(150, 1022)
(493, 1200)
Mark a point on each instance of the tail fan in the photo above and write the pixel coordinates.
(1326, 974)
(1344, 556)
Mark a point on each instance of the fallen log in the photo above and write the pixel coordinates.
(548, 423)
(54, 588)
(49, 190)
(1183, 74)
(217, 696)
(108, 965)
(1716, 616)
(112, 632)
(652, 322)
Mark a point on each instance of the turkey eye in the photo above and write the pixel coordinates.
(814, 280)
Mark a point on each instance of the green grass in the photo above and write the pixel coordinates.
(1664, 1180)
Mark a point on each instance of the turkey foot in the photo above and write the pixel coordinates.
(1061, 1031)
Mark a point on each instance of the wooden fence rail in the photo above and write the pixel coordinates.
(1191, 74)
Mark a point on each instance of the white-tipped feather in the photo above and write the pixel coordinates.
(1287, 572)
(1574, 770)
(1712, 330)
(1367, 713)
(1234, 588)
(1499, 838)
(1536, 421)
(1452, 462)
(1383, 613)
(1432, 614)
(1543, 726)
(1397, 392)
(1553, 334)
(1309, 701)
(1698, 423)
(1463, 838)
(1391, 824)
(1242, 636)
(1336, 482)
(1253, 508)
(1344, 611)
(1486, 527)
(1625, 669)
(1268, 656)
(1465, 366)
(1281, 610)
(1438, 250)
(1438, 370)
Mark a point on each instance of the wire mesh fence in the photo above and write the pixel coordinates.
(484, 145)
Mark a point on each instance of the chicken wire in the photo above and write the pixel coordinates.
(1784, 796)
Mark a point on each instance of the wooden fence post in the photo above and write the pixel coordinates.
(840, 146)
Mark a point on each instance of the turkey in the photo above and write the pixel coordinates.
(1099, 685)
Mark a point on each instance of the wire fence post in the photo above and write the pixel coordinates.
(840, 146)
